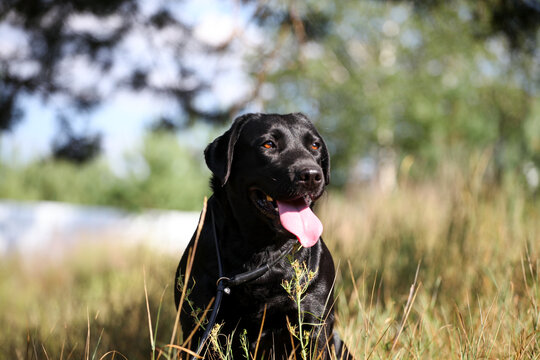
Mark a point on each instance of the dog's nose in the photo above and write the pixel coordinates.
(311, 178)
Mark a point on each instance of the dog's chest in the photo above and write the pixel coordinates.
(248, 304)
(266, 289)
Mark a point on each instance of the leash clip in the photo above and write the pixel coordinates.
(226, 289)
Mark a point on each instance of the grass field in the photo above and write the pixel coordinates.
(439, 270)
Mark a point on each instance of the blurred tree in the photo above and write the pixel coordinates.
(160, 174)
(73, 54)
(516, 20)
(73, 147)
(414, 77)
(164, 124)
(425, 79)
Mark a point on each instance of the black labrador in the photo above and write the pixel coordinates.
(268, 170)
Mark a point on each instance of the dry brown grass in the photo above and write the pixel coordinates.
(437, 270)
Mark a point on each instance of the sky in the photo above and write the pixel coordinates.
(123, 118)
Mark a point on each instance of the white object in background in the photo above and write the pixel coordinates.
(52, 227)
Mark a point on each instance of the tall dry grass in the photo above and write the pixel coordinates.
(443, 269)
(446, 269)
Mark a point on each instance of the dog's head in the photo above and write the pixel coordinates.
(279, 164)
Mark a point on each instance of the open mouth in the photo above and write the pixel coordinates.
(264, 203)
(270, 206)
(294, 215)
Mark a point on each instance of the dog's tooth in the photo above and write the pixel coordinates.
(269, 198)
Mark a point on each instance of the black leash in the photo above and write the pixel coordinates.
(224, 283)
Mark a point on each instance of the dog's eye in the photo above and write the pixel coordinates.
(315, 146)
(269, 144)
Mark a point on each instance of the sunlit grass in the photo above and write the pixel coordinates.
(435, 270)
(46, 306)
(476, 294)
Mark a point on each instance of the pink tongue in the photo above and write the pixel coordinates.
(298, 218)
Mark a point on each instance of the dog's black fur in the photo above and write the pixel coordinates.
(262, 154)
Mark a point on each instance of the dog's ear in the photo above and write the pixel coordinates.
(219, 153)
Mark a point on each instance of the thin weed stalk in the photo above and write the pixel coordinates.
(296, 287)
(112, 353)
(183, 349)
(87, 346)
(152, 340)
(410, 300)
(191, 258)
(260, 333)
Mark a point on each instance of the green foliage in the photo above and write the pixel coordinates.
(164, 175)
(417, 82)
(412, 79)
(173, 178)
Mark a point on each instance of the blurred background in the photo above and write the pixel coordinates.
(430, 110)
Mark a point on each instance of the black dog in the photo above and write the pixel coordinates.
(268, 170)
